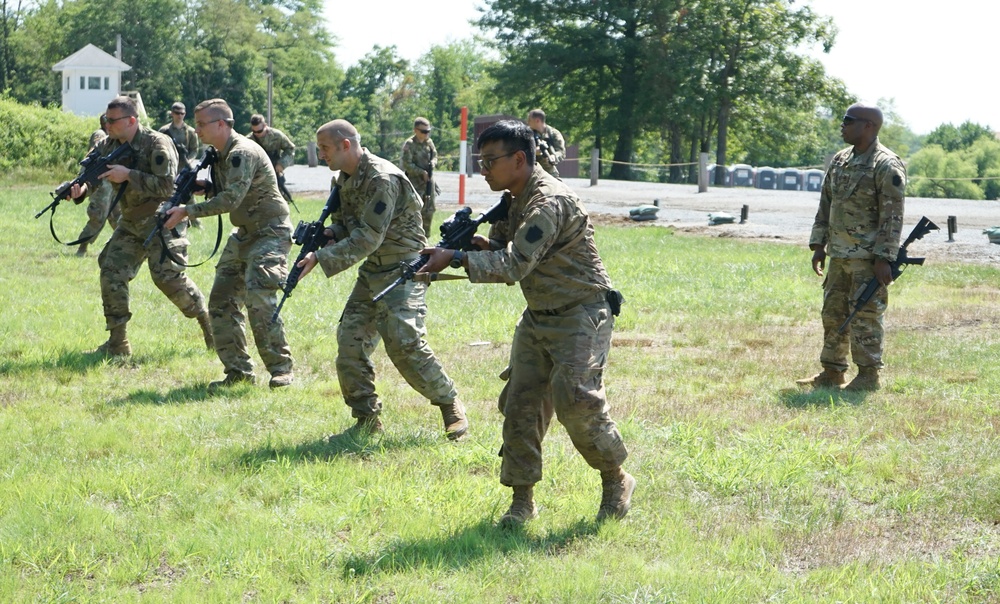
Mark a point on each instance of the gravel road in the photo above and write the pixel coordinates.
(780, 216)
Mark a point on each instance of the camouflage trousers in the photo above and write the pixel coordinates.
(427, 213)
(124, 254)
(97, 212)
(844, 281)
(398, 320)
(248, 275)
(557, 364)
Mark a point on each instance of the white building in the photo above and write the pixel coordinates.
(90, 78)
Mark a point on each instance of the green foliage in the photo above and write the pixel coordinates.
(930, 169)
(951, 138)
(37, 137)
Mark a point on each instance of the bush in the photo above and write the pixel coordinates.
(35, 138)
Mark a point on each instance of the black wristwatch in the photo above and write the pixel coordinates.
(456, 260)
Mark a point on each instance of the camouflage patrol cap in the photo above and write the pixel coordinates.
(178, 107)
(422, 123)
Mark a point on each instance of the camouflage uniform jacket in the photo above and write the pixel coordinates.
(557, 146)
(246, 186)
(547, 244)
(861, 205)
(278, 147)
(95, 138)
(379, 216)
(416, 159)
(183, 137)
(153, 167)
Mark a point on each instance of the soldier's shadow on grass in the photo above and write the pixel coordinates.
(464, 548)
(338, 445)
(78, 361)
(820, 397)
(184, 394)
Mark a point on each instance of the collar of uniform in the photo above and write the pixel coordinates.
(224, 152)
(866, 157)
(345, 180)
(141, 133)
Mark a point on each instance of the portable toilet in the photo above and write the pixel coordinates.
(741, 175)
(727, 176)
(790, 179)
(812, 180)
(767, 178)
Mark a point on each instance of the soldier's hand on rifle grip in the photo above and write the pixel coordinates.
(438, 259)
(78, 192)
(481, 242)
(819, 260)
(175, 216)
(116, 173)
(307, 264)
(883, 271)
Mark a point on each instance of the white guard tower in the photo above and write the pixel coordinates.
(90, 78)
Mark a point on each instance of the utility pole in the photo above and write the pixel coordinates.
(270, 91)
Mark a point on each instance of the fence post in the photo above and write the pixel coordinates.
(703, 172)
(595, 165)
(952, 228)
(311, 157)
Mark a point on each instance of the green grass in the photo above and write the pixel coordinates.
(129, 481)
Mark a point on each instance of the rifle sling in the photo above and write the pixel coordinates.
(111, 208)
(166, 253)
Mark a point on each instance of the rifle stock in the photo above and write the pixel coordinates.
(923, 227)
(456, 234)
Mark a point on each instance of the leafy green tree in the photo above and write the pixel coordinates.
(377, 92)
(951, 138)
(931, 169)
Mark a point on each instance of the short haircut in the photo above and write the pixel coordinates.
(513, 136)
(124, 104)
(340, 130)
(257, 119)
(537, 113)
(217, 109)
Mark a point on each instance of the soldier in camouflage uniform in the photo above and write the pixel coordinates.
(561, 343)
(184, 137)
(100, 200)
(858, 225)
(418, 161)
(148, 183)
(254, 262)
(279, 149)
(550, 148)
(378, 224)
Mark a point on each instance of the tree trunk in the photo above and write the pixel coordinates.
(720, 152)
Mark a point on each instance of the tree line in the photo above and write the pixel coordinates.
(644, 81)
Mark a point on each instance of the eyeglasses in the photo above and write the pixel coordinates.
(487, 164)
(850, 119)
(261, 131)
(203, 124)
(112, 120)
(424, 131)
(177, 112)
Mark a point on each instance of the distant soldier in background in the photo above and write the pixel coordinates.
(418, 161)
(254, 262)
(147, 183)
(858, 225)
(100, 200)
(185, 140)
(550, 148)
(184, 137)
(279, 149)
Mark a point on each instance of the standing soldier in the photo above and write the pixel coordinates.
(148, 183)
(550, 148)
(418, 161)
(254, 262)
(279, 148)
(561, 343)
(99, 208)
(379, 225)
(858, 225)
(184, 137)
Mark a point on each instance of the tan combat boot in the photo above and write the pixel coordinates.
(828, 378)
(366, 425)
(233, 379)
(616, 499)
(865, 381)
(280, 380)
(455, 424)
(205, 322)
(117, 344)
(522, 508)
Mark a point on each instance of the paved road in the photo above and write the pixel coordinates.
(782, 216)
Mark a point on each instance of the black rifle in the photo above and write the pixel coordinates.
(92, 166)
(285, 192)
(924, 226)
(456, 234)
(429, 189)
(311, 236)
(543, 150)
(185, 185)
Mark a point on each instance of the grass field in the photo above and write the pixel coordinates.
(129, 481)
